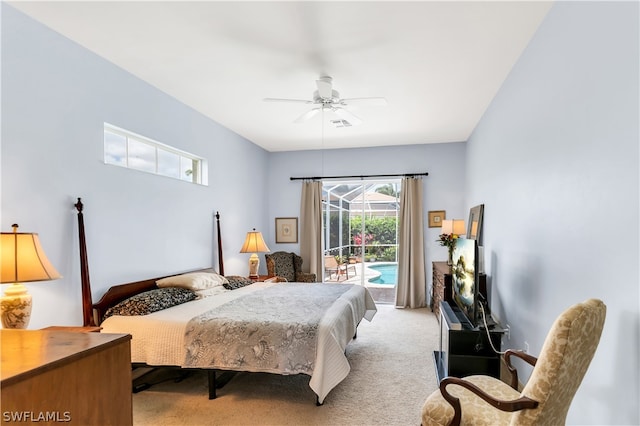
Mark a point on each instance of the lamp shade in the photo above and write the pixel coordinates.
(23, 259)
(447, 226)
(458, 227)
(453, 226)
(254, 243)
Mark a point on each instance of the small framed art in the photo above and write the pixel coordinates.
(436, 217)
(286, 230)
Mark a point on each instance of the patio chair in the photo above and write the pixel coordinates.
(332, 266)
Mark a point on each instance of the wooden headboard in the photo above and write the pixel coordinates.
(93, 313)
(118, 293)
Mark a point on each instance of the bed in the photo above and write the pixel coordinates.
(274, 327)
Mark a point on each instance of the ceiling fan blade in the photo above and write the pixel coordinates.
(299, 101)
(365, 101)
(324, 87)
(307, 115)
(343, 113)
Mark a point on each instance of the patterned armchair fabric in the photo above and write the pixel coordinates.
(558, 372)
(288, 265)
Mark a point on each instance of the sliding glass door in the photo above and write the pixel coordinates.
(360, 232)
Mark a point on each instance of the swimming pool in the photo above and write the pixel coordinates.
(388, 274)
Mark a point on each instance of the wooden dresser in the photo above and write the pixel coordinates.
(440, 286)
(60, 376)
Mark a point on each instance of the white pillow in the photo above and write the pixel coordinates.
(193, 281)
(210, 291)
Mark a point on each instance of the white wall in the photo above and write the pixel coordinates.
(443, 188)
(56, 96)
(555, 161)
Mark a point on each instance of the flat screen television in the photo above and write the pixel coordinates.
(465, 285)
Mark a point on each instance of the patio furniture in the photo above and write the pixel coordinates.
(332, 266)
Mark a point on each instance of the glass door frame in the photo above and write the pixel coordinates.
(335, 195)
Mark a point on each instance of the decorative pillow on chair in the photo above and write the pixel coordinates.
(151, 301)
(236, 281)
(281, 264)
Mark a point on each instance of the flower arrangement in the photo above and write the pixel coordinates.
(449, 241)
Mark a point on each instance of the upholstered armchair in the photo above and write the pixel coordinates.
(288, 265)
(545, 399)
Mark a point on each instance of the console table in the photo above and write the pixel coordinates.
(465, 350)
(69, 377)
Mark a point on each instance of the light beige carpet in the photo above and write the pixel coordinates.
(392, 373)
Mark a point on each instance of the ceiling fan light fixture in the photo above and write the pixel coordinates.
(326, 97)
(344, 114)
(341, 123)
(307, 115)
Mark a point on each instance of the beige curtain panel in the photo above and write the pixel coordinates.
(311, 228)
(411, 287)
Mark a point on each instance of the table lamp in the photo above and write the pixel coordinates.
(254, 243)
(22, 260)
(453, 226)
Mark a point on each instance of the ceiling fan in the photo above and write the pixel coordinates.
(326, 98)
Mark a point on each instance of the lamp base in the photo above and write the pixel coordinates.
(15, 307)
(254, 265)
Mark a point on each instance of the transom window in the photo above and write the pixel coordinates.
(127, 149)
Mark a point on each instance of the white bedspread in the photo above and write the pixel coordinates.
(159, 338)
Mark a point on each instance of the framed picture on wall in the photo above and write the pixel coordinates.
(474, 227)
(286, 230)
(436, 217)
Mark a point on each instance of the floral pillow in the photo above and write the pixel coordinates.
(236, 281)
(151, 301)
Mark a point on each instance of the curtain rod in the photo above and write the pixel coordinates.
(359, 176)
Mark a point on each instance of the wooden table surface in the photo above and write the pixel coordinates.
(29, 352)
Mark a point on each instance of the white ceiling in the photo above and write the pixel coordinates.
(438, 64)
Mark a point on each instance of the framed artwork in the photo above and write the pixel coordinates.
(286, 229)
(436, 217)
(474, 228)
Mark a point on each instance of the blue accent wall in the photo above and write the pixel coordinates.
(555, 160)
(56, 95)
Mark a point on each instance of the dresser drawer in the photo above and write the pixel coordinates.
(441, 280)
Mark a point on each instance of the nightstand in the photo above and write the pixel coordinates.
(75, 329)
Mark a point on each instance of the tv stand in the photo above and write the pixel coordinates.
(465, 349)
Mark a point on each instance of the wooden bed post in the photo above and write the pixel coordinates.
(87, 304)
(220, 262)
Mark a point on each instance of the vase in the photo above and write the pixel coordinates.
(450, 259)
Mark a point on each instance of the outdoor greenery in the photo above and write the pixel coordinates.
(388, 189)
(378, 233)
(382, 228)
(334, 225)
